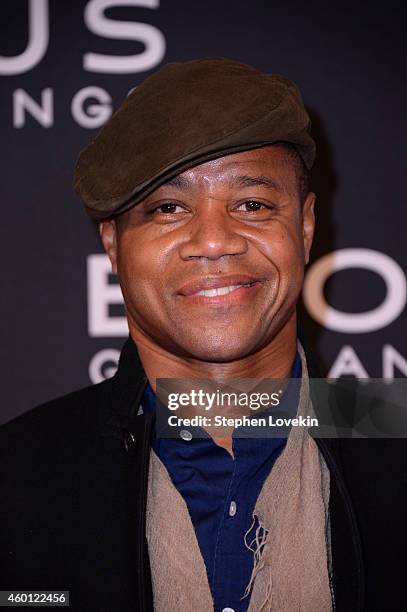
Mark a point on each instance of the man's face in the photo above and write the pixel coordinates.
(234, 224)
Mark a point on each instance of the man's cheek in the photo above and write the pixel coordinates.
(132, 265)
(281, 252)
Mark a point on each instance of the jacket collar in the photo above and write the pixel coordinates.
(125, 391)
(130, 380)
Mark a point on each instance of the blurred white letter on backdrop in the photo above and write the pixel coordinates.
(151, 37)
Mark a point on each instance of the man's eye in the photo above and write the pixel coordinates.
(169, 208)
(251, 206)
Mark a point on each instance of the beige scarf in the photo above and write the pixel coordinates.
(291, 546)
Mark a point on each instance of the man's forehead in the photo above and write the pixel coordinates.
(267, 167)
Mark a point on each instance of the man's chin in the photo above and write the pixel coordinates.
(219, 352)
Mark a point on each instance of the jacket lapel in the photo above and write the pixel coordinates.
(347, 559)
(134, 431)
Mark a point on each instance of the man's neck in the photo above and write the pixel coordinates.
(274, 360)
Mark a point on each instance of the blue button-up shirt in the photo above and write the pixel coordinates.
(221, 493)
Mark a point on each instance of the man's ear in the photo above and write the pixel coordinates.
(108, 234)
(308, 223)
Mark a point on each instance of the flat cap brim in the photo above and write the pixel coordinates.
(181, 116)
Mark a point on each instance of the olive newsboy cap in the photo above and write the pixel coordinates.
(181, 116)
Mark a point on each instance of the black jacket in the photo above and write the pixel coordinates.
(73, 485)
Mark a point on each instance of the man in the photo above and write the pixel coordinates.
(200, 185)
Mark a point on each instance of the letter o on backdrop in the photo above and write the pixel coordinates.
(363, 322)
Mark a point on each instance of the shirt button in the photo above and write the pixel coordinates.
(185, 435)
(228, 610)
(232, 512)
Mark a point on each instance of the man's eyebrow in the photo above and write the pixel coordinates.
(176, 181)
(257, 181)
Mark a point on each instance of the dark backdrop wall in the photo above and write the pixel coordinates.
(66, 65)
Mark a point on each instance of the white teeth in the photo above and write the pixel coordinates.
(218, 291)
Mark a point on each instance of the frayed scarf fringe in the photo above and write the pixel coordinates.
(256, 547)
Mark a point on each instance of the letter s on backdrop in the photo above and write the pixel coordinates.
(151, 37)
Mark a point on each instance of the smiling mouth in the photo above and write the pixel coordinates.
(218, 291)
(226, 295)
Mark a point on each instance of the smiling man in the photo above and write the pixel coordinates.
(199, 184)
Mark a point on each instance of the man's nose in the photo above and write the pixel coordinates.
(213, 233)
